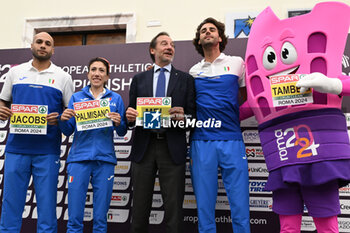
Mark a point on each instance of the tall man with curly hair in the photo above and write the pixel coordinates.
(218, 78)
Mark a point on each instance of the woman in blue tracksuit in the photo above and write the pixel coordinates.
(92, 157)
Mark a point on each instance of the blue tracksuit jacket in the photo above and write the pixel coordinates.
(95, 144)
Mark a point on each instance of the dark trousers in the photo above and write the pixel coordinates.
(172, 186)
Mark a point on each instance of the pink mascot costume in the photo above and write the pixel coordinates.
(305, 142)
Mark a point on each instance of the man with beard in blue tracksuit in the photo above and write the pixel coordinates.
(217, 81)
(37, 83)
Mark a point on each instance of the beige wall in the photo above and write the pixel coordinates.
(178, 17)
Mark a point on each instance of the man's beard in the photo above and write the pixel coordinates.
(208, 44)
(42, 58)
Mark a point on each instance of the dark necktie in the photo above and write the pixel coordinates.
(160, 91)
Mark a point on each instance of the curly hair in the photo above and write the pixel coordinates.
(221, 29)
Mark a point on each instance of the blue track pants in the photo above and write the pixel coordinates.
(229, 156)
(18, 170)
(101, 176)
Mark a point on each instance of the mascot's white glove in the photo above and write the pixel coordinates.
(320, 83)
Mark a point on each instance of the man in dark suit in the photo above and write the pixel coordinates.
(163, 150)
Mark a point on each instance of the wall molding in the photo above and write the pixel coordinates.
(81, 23)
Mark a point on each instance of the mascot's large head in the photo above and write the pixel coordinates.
(313, 42)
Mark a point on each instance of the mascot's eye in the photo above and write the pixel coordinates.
(288, 53)
(269, 58)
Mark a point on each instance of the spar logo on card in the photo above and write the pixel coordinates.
(156, 101)
(86, 105)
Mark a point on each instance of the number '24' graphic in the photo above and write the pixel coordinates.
(305, 143)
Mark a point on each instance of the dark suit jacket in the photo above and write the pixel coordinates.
(182, 93)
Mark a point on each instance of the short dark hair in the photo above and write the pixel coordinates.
(101, 59)
(153, 43)
(221, 29)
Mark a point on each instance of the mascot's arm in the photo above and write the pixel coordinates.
(245, 111)
(321, 83)
(346, 85)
